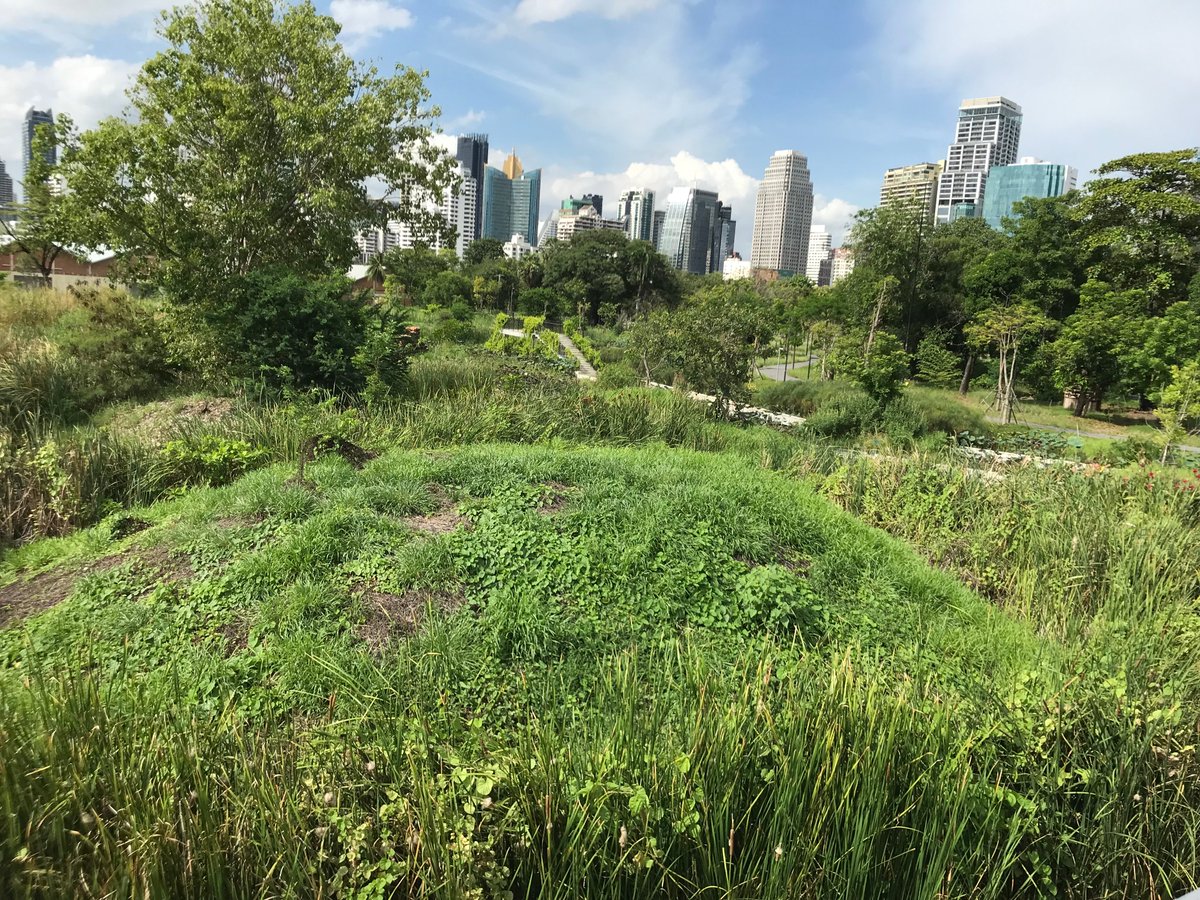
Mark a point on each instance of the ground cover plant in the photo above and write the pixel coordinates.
(564, 672)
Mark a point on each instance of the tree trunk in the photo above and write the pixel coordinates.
(965, 384)
(1081, 404)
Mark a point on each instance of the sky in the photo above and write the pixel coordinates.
(607, 95)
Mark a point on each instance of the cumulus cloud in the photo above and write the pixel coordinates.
(87, 88)
(362, 20)
(1095, 81)
(534, 11)
(732, 183)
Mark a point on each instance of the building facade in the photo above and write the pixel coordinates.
(912, 186)
(660, 218)
(473, 156)
(820, 250)
(783, 215)
(988, 134)
(736, 268)
(517, 247)
(457, 209)
(724, 237)
(1028, 178)
(6, 187)
(841, 265)
(573, 219)
(690, 230)
(636, 210)
(511, 198)
(35, 119)
(71, 268)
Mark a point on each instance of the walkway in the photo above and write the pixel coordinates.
(585, 372)
(776, 371)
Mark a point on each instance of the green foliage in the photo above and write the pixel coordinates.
(880, 371)
(482, 251)
(248, 141)
(604, 275)
(937, 365)
(1179, 406)
(209, 460)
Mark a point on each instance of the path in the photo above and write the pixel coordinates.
(995, 420)
(776, 371)
(585, 372)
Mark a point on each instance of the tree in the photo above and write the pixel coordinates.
(879, 370)
(410, 270)
(40, 222)
(1007, 328)
(249, 143)
(1141, 219)
(481, 251)
(447, 289)
(1179, 407)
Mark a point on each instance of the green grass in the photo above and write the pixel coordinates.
(639, 672)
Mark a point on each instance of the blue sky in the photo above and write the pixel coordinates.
(609, 94)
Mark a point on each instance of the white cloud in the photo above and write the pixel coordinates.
(1097, 79)
(470, 119)
(361, 20)
(87, 88)
(36, 15)
(533, 11)
(656, 86)
(835, 214)
(732, 183)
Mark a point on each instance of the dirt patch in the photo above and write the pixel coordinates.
(236, 635)
(22, 599)
(554, 498)
(393, 616)
(206, 409)
(328, 443)
(156, 421)
(128, 525)
(443, 520)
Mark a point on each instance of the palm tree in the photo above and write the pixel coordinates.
(377, 269)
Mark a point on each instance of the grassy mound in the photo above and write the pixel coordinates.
(601, 672)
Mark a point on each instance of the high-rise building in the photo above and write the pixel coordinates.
(988, 134)
(636, 210)
(1030, 177)
(724, 235)
(458, 210)
(473, 156)
(511, 199)
(576, 216)
(597, 202)
(842, 264)
(660, 218)
(914, 186)
(783, 215)
(688, 232)
(34, 119)
(6, 187)
(820, 249)
(549, 230)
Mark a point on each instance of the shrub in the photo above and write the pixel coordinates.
(937, 365)
(210, 460)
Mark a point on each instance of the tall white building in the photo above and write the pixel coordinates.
(820, 249)
(457, 208)
(636, 210)
(843, 264)
(914, 187)
(783, 215)
(988, 134)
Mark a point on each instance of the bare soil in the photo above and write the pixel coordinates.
(22, 599)
(393, 616)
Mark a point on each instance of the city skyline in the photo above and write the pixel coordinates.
(630, 112)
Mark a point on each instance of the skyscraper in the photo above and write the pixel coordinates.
(473, 156)
(724, 235)
(636, 209)
(783, 215)
(34, 119)
(6, 187)
(687, 238)
(457, 207)
(842, 265)
(820, 249)
(511, 199)
(914, 186)
(1030, 177)
(660, 218)
(988, 134)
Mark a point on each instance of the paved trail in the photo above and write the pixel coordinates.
(585, 371)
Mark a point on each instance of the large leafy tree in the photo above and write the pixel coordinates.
(1141, 218)
(248, 144)
(37, 227)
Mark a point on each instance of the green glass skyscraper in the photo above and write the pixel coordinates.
(1028, 178)
(511, 200)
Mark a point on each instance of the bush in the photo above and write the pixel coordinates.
(289, 327)
(937, 365)
(210, 460)
(848, 417)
